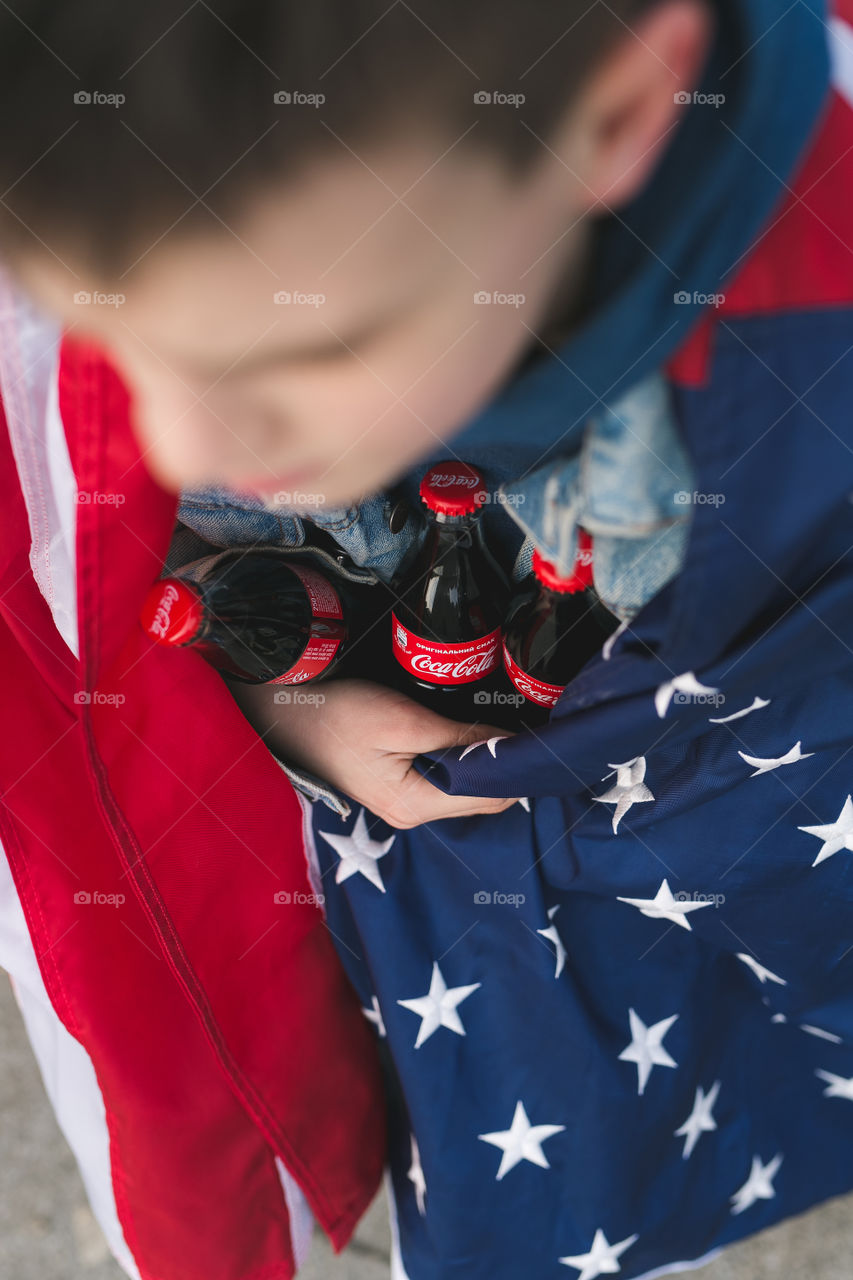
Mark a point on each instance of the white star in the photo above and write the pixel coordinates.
(491, 743)
(601, 1259)
(524, 802)
(821, 1034)
(417, 1179)
(438, 1007)
(755, 705)
(628, 790)
(763, 765)
(763, 975)
(758, 1186)
(663, 906)
(521, 1141)
(607, 648)
(700, 1119)
(553, 936)
(646, 1047)
(686, 683)
(835, 835)
(374, 1015)
(358, 853)
(778, 1017)
(839, 1086)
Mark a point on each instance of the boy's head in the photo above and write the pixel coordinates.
(286, 218)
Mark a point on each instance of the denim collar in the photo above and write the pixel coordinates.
(685, 234)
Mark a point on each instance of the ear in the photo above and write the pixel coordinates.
(628, 109)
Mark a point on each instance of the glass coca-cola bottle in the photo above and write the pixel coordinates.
(259, 615)
(450, 599)
(555, 624)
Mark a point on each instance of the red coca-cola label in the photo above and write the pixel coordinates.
(320, 650)
(445, 663)
(537, 691)
(322, 596)
(316, 656)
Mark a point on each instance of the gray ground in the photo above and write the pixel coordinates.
(48, 1233)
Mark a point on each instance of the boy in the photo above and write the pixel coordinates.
(602, 255)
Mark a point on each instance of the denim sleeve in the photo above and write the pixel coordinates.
(629, 485)
(375, 534)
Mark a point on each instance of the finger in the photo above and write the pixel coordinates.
(429, 731)
(419, 801)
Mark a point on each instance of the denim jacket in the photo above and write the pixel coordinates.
(629, 484)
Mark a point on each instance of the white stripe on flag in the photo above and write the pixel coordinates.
(841, 57)
(66, 1069)
(29, 366)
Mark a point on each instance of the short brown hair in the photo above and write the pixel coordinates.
(200, 115)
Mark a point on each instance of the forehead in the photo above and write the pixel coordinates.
(350, 237)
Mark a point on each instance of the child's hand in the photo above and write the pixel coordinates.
(362, 739)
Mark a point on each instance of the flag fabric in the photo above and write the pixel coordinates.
(617, 1018)
(615, 1022)
(192, 1021)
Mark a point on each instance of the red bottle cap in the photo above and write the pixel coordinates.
(581, 575)
(173, 612)
(453, 489)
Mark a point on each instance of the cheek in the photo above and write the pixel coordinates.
(374, 422)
